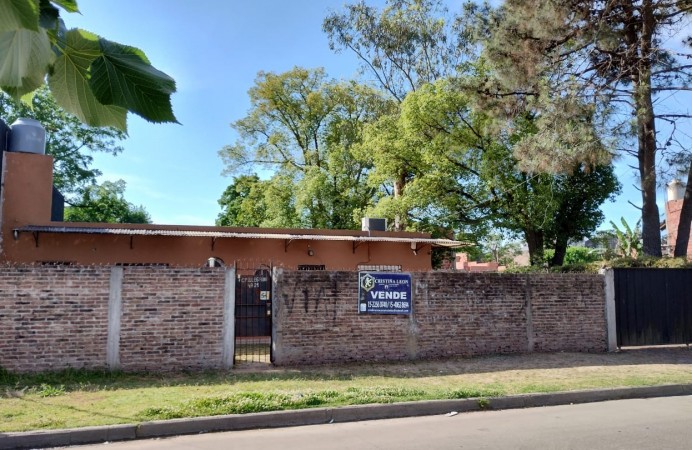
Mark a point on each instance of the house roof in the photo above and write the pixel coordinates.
(234, 234)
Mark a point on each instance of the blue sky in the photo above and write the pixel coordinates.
(214, 49)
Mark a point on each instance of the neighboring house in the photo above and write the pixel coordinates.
(462, 263)
(676, 194)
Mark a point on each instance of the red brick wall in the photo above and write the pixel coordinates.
(568, 312)
(53, 317)
(171, 318)
(454, 314)
(673, 210)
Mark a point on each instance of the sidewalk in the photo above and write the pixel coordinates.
(663, 356)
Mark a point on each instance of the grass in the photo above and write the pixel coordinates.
(75, 398)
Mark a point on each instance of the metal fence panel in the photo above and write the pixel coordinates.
(653, 306)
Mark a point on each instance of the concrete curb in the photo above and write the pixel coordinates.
(316, 416)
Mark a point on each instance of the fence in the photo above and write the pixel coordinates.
(653, 306)
(161, 318)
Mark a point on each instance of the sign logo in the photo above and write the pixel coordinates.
(367, 282)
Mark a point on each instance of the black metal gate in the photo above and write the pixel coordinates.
(253, 320)
(653, 306)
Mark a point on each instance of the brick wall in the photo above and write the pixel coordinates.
(454, 314)
(53, 317)
(171, 318)
(157, 318)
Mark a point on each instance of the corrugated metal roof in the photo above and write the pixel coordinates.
(236, 235)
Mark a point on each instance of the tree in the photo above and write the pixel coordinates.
(303, 126)
(406, 45)
(243, 203)
(95, 79)
(629, 239)
(105, 204)
(466, 178)
(613, 54)
(68, 141)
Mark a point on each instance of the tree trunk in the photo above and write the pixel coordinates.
(646, 137)
(683, 237)
(534, 239)
(560, 251)
(399, 184)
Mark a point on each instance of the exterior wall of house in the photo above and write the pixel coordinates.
(163, 319)
(26, 200)
(673, 209)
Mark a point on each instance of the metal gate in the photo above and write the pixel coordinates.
(653, 306)
(253, 320)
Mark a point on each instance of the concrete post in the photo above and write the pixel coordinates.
(276, 349)
(228, 318)
(609, 285)
(530, 338)
(114, 314)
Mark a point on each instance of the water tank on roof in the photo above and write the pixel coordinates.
(676, 190)
(27, 136)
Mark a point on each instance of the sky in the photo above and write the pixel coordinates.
(214, 50)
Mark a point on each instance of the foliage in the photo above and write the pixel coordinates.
(242, 203)
(303, 126)
(463, 177)
(406, 45)
(629, 239)
(105, 204)
(616, 56)
(95, 79)
(649, 262)
(69, 141)
(575, 255)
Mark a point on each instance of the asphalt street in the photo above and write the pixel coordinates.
(656, 423)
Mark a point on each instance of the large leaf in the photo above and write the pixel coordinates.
(123, 76)
(24, 59)
(69, 82)
(67, 5)
(18, 14)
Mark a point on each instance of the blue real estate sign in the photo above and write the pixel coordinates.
(384, 293)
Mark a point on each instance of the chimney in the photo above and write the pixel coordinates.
(676, 190)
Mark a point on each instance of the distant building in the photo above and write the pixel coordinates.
(676, 195)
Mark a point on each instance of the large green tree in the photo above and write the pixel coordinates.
(105, 203)
(401, 47)
(466, 177)
(95, 79)
(618, 55)
(302, 126)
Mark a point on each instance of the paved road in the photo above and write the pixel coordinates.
(659, 423)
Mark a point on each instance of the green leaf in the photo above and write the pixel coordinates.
(25, 56)
(18, 14)
(67, 5)
(123, 76)
(69, 82)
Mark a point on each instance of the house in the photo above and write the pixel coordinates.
(676, 195)
(31, 231)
